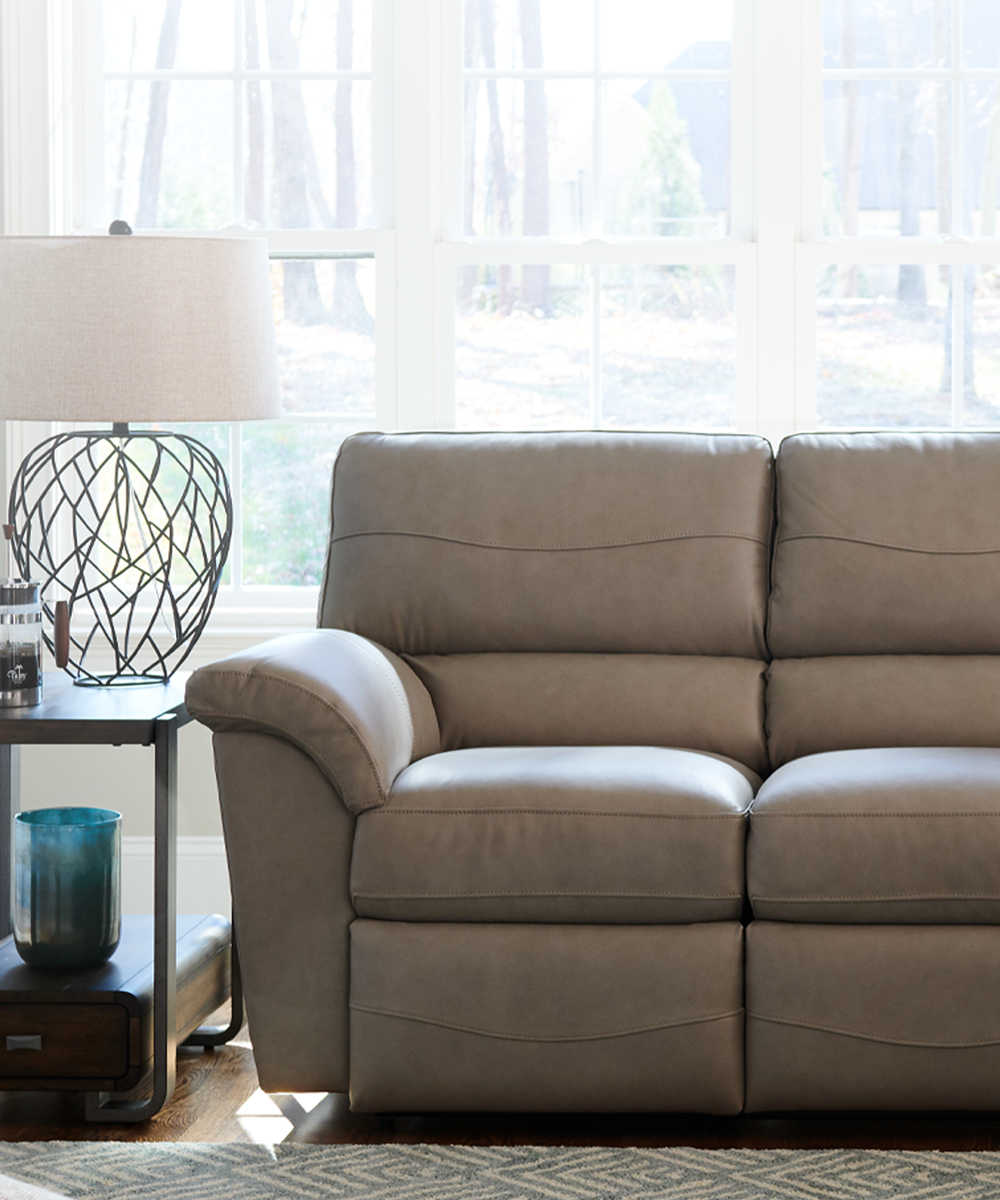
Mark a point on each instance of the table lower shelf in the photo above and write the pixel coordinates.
(92, 1031)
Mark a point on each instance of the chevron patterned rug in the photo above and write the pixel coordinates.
(188, 1171)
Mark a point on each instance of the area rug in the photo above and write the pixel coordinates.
(189, 1171)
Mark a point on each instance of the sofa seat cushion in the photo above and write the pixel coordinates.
(890, 836)
(590, 834)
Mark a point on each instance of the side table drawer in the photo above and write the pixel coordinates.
(68, 1041)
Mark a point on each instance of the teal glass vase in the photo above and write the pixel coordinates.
(67, 886)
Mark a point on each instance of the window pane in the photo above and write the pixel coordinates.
(557, 34)
(528, 167)
(637, 35)
(286, 498)
(325, 317)
(214, 435)
(168, 153)
(143, 35)
(666, 158)
(324, 312)
(981, 348)
(307, 154)
(887, 164)
(882, 346)
(891, 33)
(522, 348)
(982, 157)
(981, 33)
(311, 35)
(668, 347)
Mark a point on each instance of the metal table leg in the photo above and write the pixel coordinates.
(10, 788)
(103, 1106)
(218, 1035)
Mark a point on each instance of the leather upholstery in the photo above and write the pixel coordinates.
(288, 841)
(886, 544)
(892, 835)
(849, 702)
(589, 542)
(621, 834)
(546, 1017)
(548, 645)
(885, 587)
(872, 1017)
(357, 710)
(697, 703)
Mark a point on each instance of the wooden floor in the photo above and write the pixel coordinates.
(217, 1100)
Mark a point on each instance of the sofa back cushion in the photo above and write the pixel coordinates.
(595, 542)
(687, 701)
(887, 543)
(566, 588)
(885, 602)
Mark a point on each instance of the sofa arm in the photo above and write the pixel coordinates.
(355, 708)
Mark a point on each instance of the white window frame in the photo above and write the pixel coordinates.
(454, 251)
(774, 242)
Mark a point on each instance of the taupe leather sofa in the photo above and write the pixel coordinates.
(497, 833)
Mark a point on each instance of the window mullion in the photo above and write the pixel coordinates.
(418, 120)
(382, 112)
(27, 50)
(779, 137)
(597, 132)
(239, 205)
(959, 314)
(741, 124)
(596, 381)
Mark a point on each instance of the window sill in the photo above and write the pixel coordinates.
(232, 631)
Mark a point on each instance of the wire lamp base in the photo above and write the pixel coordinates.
(133, 529)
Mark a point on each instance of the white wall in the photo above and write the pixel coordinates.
(122, 778)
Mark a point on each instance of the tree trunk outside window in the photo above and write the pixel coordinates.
(498, 188)
(156, 121)
(536, 155)
(303, 304)
(348, 306)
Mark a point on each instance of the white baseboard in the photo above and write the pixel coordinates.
(202, 875)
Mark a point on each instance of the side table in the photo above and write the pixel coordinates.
(144, 715)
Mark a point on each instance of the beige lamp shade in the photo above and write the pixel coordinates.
(134, 328)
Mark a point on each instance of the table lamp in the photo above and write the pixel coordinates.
(131, 527)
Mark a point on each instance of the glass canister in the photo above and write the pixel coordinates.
(20, 643)
(67, 886)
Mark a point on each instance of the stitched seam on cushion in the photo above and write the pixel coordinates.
(297, 687)
(832, 537)
(277, 732)
(848, 815)
(440, 537)
(858, 899)
(525, 1037)
(540, 895)
(873, 1037)
(562, 812)
(397, 685)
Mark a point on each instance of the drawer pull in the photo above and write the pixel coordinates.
(24, 1041)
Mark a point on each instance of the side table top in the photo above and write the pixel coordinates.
(69, 714)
